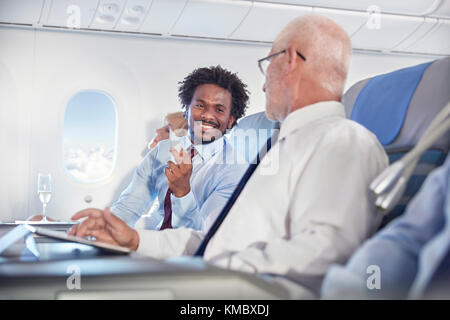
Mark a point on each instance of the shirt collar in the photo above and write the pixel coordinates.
(205, 151)
(308, 114)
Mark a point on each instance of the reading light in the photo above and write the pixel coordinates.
(135, 11)
(105, 19)
(110, 8)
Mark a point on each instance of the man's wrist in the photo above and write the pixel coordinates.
(181, 194)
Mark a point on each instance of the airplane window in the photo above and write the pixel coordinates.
(89, 138)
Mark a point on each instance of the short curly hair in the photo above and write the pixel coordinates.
(220, 77)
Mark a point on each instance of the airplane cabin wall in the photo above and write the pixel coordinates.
(41, 70)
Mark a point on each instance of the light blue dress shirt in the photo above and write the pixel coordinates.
(407, 252)
(216, 172)
(250, 134)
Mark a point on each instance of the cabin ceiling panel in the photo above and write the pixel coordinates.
(437, 41)
(427, 26)
(417, 27)
(350, 21)
(211, 18)
(162, 16)
(20, 11)
(443, 11)
(384, 32)
(265, 20)
(70, 13)
(411, 7)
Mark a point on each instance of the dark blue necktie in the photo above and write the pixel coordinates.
(201, 248)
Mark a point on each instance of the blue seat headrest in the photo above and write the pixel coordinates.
(398, 107)
(430, 95)
(382, 104)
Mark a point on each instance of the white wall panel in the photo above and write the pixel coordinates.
(365, 65)
(16, 101)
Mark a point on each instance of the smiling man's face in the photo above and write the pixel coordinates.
(209, 114)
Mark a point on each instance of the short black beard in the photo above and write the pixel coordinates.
(209, 141)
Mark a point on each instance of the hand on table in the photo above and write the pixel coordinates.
(105, 227)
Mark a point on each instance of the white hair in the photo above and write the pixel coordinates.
(326, 47)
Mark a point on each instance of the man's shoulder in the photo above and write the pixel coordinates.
(228, 161)
(355, 138)
(337, 133)
(343, 127)
(256, 121)
(232, 153)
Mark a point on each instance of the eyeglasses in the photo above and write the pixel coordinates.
(264, 62)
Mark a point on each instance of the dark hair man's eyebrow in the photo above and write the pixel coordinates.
(203, 101)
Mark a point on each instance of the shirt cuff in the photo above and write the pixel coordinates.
(168, 243)
(185, 204)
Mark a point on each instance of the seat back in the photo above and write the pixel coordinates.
(398, 107)
(250, 134)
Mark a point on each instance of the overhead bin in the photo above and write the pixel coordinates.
(350, 21)
(162, 16)
(427, 26)
(443, 11)
(437, 41)
(265, 20)
(211, 18)
(410, 7)
(20, 11)
(384, 31)
(246, 20)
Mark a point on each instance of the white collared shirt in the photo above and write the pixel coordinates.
(306, 206)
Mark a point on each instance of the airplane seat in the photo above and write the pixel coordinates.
(398, 107)
(250, 134)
